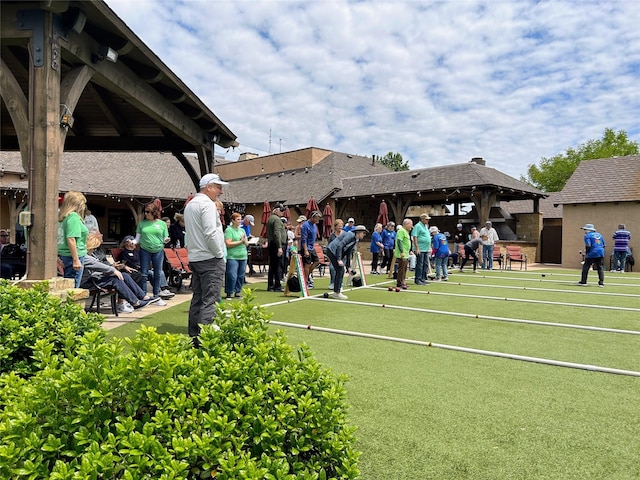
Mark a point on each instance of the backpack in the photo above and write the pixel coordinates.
(293, 283)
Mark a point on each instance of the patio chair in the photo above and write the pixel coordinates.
(515, 254)
(498, 256)
(324, 260)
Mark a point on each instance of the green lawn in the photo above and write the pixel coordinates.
(432, 413)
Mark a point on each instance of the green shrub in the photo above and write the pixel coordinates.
(31, 315)
(241, 406)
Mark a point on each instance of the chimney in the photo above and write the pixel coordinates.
(247, 156)
(479, 161)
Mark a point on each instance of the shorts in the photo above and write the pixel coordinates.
(312, 258)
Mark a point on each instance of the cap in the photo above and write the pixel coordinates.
(278, 206)
(250, 219)
(316, 214)
(360, 228)
(473, 228)
(589, 227)
(351, 220)
(459, 225)
(127, 238)
(447, 234)
(211, 178)
(488, 222)
(301, 219)
(425, 215)
(433, 229)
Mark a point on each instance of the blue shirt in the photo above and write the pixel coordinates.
(389, 239)
(308, 235)
(441, 245)
(594, 244)
(375, 239)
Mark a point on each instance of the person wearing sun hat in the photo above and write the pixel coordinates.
(339, 248)
(594, 254)
(204, 237)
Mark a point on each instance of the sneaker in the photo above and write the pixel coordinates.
(445, 279)
(237, 295)
(330, 287)
(161, 303)
(580, 284)
(339, 296)
(141, 304)
(124, 308)
(601, 285)
(164, 293)
(154, 300)
(460, 271)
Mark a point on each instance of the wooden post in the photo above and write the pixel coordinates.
(45, 152)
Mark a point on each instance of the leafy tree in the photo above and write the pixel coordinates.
(553, 173)
(393, 161)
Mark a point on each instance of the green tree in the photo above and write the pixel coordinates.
(552, 174)
(393, 161)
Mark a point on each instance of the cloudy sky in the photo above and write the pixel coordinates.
(438, 82)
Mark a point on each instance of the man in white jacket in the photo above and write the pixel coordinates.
(204, 238)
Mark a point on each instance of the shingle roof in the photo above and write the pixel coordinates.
(141, 174)
(464, 175)
(295, 187)
(614, 179)
(547, 206)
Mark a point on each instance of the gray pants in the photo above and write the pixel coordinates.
(206, 282)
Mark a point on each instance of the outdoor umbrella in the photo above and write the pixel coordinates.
(287, 214)
(383, 214)
(327, 220)
(266, 213)
(312, 206)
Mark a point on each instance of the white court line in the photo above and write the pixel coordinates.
(484, 317)
(523, 300)
(510, 356)
(581, 290)
(484, 275)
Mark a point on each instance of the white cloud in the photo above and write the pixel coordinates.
(438, 82)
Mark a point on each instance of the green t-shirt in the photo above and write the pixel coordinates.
(152, 234)
(239, 252)
(402, 239)
(72, 226)
(421, 232)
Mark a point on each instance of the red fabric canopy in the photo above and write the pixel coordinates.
(327, 220)
(383, 214)
(287, 214)
(312, 206)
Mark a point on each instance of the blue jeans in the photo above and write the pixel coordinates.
(619, 260)
(422, 266)
(339, 275)
(127, 288)
(487, 256)
(234, 276)
(441, 267)
(69, 272)
(156, 260)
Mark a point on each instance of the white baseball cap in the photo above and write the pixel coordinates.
(211, 178)
(250, 219)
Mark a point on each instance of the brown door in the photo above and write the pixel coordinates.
(551, 244)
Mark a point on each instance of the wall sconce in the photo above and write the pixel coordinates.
(104, 53)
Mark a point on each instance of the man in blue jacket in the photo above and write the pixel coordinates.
(594, 248)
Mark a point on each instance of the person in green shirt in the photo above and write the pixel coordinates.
(72, 235)
(152, 234)
(235, 238)
(403, 246)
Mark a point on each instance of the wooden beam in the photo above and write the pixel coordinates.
(17, 105)
(111, 111)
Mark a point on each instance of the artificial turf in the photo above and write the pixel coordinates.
(431, 413)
